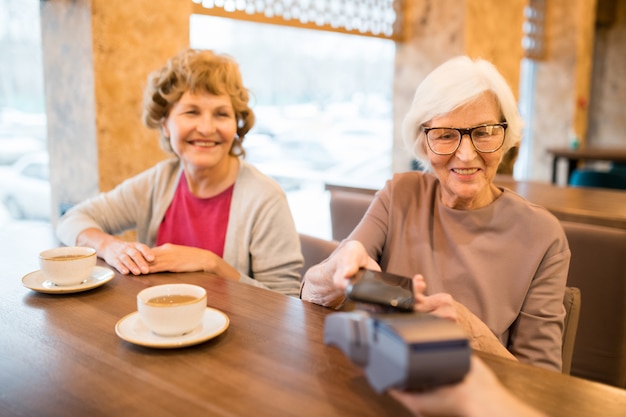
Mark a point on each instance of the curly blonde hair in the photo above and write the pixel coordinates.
(196, 71)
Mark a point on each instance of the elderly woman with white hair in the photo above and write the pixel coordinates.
(478, 254)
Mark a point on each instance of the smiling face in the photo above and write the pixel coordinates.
(466, 176)
(202, 129)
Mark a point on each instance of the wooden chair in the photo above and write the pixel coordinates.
(346, 210)
(571, 301)
(315, 250)
(598, 269)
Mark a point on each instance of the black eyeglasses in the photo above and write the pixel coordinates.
(446, 140)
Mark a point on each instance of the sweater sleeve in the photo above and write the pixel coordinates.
(261, 241)
(536, 336)
(130, 205)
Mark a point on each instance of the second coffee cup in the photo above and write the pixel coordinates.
(172, 309)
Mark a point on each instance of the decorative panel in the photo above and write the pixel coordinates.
(378, 18)
(533, 40)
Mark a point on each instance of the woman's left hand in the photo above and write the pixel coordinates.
(441, 304)
(445, 306)
(177, 258)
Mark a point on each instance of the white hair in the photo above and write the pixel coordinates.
(454, 83)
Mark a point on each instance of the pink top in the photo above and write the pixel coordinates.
(196, 222)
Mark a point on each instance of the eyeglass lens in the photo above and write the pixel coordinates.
(486, 138)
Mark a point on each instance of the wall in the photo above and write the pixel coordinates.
(131, 38)
(575, 89)
(441, 29)
(607, 112)
(97, 56)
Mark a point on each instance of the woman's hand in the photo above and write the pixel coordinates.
(347, 261)
(326, 282)
(177, 258)
(441, 304)
(136, 258)
(445, 306)
(127, 257)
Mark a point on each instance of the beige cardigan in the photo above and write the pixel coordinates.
(261, 240)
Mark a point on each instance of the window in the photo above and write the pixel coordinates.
(323, 103)
(24, 186)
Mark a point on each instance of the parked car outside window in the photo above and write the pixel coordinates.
(25, 187)
(13, 147)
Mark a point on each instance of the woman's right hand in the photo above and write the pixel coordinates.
(326, 282)
(346, 262)
(127, 257)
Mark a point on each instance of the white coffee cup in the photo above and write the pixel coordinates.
(172, 309)
(67, 265)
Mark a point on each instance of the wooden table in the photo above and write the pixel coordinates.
(574, 156)
(60, 356)
(578, 204)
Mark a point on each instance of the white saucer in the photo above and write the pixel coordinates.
(36, 281)
(133, 330)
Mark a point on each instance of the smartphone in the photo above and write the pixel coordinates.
(388, 292)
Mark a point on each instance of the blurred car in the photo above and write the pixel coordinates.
(288, 159)
(25, 187)
(14, 147)
(353, 152)
(20, 133)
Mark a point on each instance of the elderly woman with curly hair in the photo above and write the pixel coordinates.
(478, 254)
(206, 208)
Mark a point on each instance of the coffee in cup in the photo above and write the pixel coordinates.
(172, 309)
(67, 265)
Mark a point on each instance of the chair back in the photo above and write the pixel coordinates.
(346, 210)
(571, 301)
(598, 269)
(315, 250)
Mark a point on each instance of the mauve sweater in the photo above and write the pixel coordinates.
(261, 239)
(506, 262)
